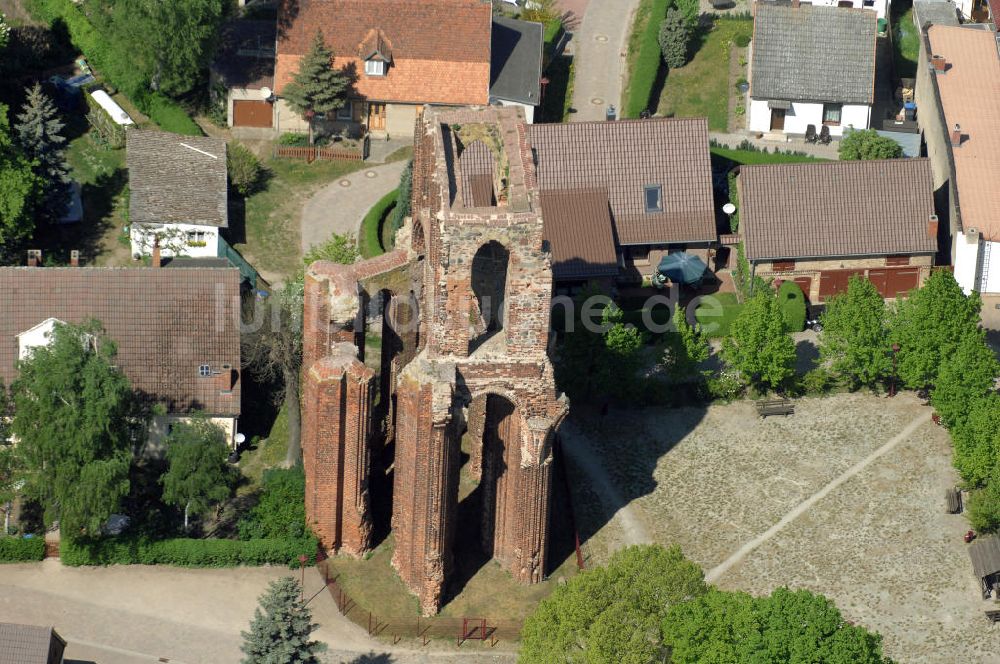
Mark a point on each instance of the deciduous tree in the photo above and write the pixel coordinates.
(758, 345)
(198, 475)
(984, 505)
(929, 325)
(861, 144)
(967, 377)
(281, 628)
(976, 441)
(20, 189)
(612, 613)
(316, 87)
(854, 339)
(39, 135)
(74, 419)
(686, 348)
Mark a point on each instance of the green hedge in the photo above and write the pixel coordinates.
(793, 306)
(21, 550)
(162, 110)
(183, 552)
(647, 62)
(371, 225)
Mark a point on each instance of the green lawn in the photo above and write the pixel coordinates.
(745, 157)
(716, 313)
(701, 87)
(905, 40)
(272, 240)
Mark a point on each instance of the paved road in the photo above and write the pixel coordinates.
(137, 614)
(599, 46)
(340, 206)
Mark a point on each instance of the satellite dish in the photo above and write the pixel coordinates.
(266, 92)
(729, 208)
(240, 439)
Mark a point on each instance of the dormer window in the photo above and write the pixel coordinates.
(654, 198)
(374, 67)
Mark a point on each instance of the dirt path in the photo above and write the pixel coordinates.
(577, 446)
(800, 509)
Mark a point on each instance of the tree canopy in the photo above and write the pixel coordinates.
(20, 188)
(786, 626)
(854, 337)
(686, 348)
(198, 475)
(73, 418)
(862, 144)
(612, 613)
(758, 345)
(966, 378)
(281, 628)
(317, 87)
(39, 134)
(929, 325)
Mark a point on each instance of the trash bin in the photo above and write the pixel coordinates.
(610, 114)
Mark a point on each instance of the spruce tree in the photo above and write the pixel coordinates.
(39, 134)
(316, 87)
(279, 632)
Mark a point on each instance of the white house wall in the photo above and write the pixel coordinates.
(175, 240)
(966, 258)
(801, 115)
(159, 428)
(879, 6)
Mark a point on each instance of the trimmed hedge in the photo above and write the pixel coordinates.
(21, 550)
(792, 302)
(184, 552)
(647, 62)
(371, 225)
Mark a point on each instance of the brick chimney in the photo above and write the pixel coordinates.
(74, 258)
(156, 252)
(939, 64)
(956, 136)
(34, 257)
(932, 226)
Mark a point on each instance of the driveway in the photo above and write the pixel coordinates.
(137, 614)
(599, 47)
(340, 206)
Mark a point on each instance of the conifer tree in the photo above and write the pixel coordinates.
(279, 632)
(316, 87)
(39, 134)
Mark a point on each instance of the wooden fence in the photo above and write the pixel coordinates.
(311, 154)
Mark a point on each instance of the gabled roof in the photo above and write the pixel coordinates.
(516, 70)
(577, 226)
(970, 97)
(843, 208)
(166, 323)
(985, 555)
(812, 53)
(176, 179)
(440, 49)
(624, 158)
(245, 58)
(29, 644)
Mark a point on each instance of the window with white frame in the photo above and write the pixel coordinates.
(196, 237)
(374, 68)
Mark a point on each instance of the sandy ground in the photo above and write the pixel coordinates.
(845, 497)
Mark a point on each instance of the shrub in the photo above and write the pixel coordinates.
(281, 512)
(793, 306)
(294, 140)
(673, 38)
(742, 40)
(21, 550)
(371, 225)
(818, 381)
(727, 386)
(868, 144)
(647, 62)
(244, 168)
(184, 552)
(984, 506)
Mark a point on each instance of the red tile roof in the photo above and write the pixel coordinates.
(577, 226)
(166, 323)
(440, 49)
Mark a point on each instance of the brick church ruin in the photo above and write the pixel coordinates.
(461, 309)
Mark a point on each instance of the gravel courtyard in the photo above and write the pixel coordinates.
(845, 497)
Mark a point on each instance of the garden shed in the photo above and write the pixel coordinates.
(985, 554)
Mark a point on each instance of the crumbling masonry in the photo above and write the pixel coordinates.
(465, 301)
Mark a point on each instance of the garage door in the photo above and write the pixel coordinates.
(832, 282)
(805, 283)
(252, 114)
(893, 283)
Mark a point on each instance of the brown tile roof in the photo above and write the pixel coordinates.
(577, 226)
(440, 49)
(245, 58)
(166, 322)
(29, 644)
(176, 179)
(845, 208)
(970, 97)
(624, 157)
(476, 171)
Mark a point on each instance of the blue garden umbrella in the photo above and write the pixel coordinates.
(682, 268)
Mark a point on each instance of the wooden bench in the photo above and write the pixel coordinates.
(775, 407)
(993, 616)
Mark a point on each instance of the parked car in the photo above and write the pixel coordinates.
(813, 314)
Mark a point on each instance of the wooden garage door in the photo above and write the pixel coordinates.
(893, 283)
(805, 283)
(832, 282)
(247, 113)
